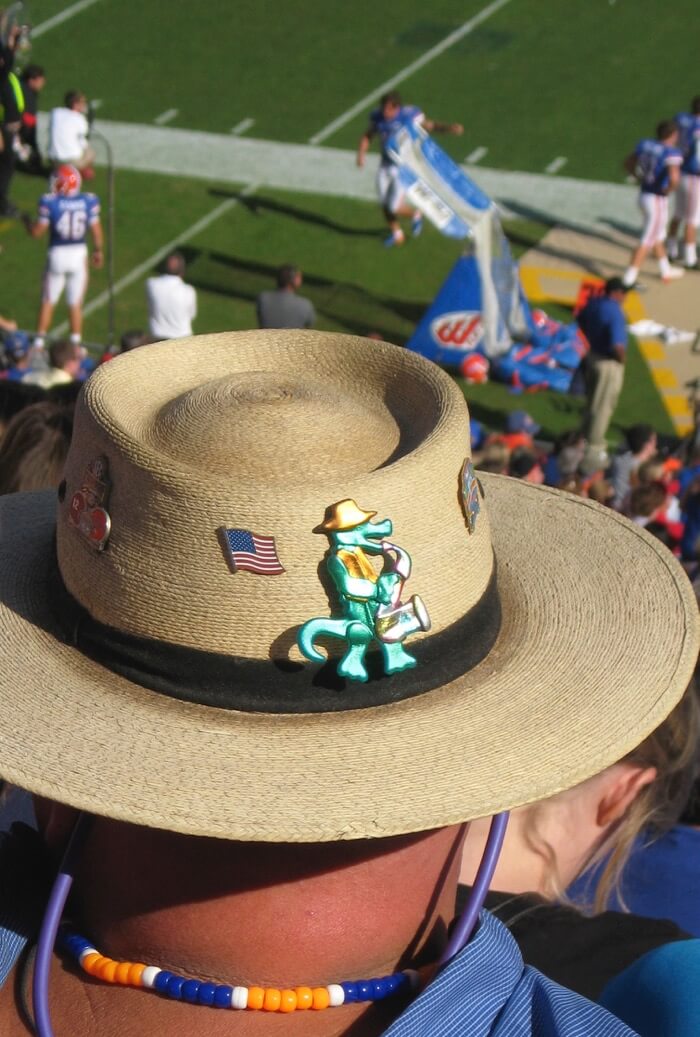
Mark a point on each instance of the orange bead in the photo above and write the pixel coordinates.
(90, 961)
(135, 973)
(256, 998)
(305, 997)
(289, 1001)
(106, 970)
(322, 998)
(272, 1000)
(121, 973)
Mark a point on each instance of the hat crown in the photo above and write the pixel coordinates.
(267, 427)
(262, 433)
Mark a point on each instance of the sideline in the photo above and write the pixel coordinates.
(148, 264)
(61, 17)
(434, 52)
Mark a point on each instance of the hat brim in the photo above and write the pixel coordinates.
(599, 640)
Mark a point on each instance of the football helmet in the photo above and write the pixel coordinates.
(66, 180)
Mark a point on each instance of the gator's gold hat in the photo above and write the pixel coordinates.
(344, 514)
(148, 616)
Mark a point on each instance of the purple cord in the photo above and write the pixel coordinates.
(49, 927)
(64, 880)
(464, 926)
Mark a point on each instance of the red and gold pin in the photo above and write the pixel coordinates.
(87, 510)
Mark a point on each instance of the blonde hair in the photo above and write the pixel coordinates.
(673, 751)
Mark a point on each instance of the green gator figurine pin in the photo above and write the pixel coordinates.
(371, 603)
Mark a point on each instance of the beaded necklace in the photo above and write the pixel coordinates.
(221, 995)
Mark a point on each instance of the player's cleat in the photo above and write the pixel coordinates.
(417, 224)
(672, 274)
(397, 237)
(692, 266)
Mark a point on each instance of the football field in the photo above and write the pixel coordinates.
(560, 89)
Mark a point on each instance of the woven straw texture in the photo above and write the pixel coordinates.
(599, 636)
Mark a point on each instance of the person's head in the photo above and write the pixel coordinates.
(66, 180)
(494, 457)
(289, 278)
(133, 340)
(66, 356)
(14, 397)
(76, 101)
(600, 490)
(651, 471)
(598, 821)
(615, 288)
(175, 264)
(642, 441)
(34, 448)
(390, 104)
(646, 500)
(279, 608)
(526, 466)
(667, 131)
(520, 421)
(35, 76)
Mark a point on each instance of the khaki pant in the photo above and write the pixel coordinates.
(603, 387)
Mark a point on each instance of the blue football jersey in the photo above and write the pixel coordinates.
(385, 127)
(689, 142)
(653, 161)
(68, 216)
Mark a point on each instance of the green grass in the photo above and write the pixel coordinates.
(535, 81)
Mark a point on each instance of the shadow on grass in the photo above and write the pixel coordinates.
(257, 204)
(350, 307)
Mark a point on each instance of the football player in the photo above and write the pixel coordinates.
(383, 122)
(67, 215)
(687, 209)
(656, 164)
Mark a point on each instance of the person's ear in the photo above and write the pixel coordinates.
(626, 782)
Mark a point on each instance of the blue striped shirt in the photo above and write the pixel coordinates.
(487, 991)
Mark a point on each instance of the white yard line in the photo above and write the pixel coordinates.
(61, 17)
(242, 127)
(430, 55)
(477, 155)
(148, 264)
(167, 116)
(555, 165)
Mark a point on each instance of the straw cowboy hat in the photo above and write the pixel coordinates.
(149, 615)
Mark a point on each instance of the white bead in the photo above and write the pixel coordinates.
(88, 950)
(148, 976)
(336, 994)
(239, 997)
(414, 978)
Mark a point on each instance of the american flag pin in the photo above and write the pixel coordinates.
(250, 552)
(87, 511)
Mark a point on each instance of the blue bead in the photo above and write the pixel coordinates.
(160, 983)
(190, 990)
(394, 982)
(206, 993)
(350, 992)
(364, 990)
(174, 987)
(222, 997)
(380, 988)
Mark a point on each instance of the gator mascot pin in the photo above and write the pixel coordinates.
(370, 602)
